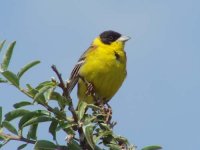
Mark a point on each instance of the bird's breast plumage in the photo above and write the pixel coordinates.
(106, 70)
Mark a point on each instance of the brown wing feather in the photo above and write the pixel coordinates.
(75, 72)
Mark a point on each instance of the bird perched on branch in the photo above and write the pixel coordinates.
(101, 69)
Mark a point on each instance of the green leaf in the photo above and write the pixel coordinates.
(32, 133)
(1, 114)
(44, 145)
(26, 68)
(2, 138)
(2, 44)
(37, 120)
(4, 143)
(102, 134)
(15, 114)
(7, 56)
(89, 118)
(62, 101)
(61, 147)
(113, 146)
(66, 125)
(152, 147)
(1, 145)
(104, 126)
(81, 109)
(95, 107)
(22, 146)
(21, 104)
(31, 115)
(88, 132)
(49, 92)
(3, 81)
(121, 139)
(31, 91)
(52, 128)
(45, 84)
(39, 97)
(73, 145)
(11, 77)
(9, 127)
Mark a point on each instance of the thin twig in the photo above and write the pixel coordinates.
(62, 85)
(65, 93)
(17, 138)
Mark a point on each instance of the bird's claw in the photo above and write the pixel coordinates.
(90, 89)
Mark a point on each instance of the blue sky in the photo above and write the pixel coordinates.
(159, 101)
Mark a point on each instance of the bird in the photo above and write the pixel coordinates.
(101, 69)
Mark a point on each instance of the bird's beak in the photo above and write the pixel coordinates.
(123, 38)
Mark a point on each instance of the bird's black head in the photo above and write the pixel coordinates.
(107, 37)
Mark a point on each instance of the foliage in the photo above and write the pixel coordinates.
(87, 127)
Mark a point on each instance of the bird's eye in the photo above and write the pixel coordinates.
(110, 38)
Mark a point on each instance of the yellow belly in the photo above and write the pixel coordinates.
(105, 73)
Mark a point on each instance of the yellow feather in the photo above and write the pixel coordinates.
(105, 68)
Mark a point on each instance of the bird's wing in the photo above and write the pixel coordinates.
(75, 72)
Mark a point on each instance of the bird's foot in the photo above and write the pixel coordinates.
(108, 112)
(90, 89)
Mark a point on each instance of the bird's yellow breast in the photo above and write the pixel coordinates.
(105, 69)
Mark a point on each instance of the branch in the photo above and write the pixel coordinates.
(62, 85)
(65, 93)
(17, 138)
